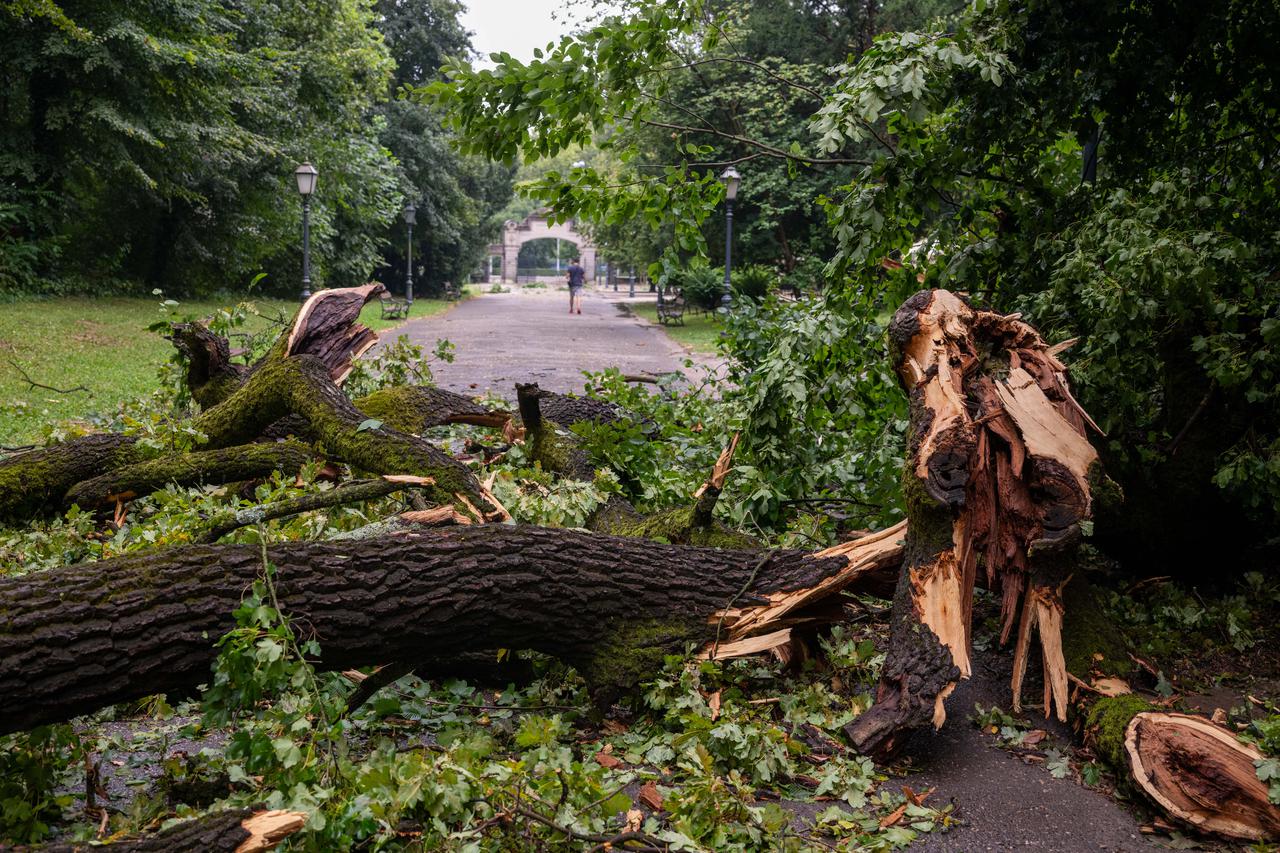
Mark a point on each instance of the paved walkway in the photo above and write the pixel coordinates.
(530, 336)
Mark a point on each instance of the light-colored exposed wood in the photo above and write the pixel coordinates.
(748, 646)
(937, 591)
(1200, 773)
(720, 471)
(1044, 430)
(870, 553)
(267, 829)
(1042, 614)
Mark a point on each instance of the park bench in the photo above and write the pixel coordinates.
(671, 308)
(452, 291)
(393, 307)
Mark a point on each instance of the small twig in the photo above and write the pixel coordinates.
(1195, 416)
(34, 384)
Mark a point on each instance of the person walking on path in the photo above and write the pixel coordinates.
(577, 276)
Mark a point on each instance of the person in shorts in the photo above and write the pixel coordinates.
(577, 277)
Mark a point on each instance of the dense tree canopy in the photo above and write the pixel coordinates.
(1106, 168)
(152, 145)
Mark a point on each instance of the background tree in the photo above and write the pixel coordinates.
(1104, 168)
(152, 145)
(458, 197)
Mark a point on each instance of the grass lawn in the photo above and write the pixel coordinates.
(700, 332)
(103, 345)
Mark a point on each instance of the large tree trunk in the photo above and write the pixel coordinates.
(75, 639)
(999, 472)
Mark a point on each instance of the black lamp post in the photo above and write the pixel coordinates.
(731, 179)
(410, 219)
(306, 175)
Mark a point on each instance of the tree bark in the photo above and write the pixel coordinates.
(35, 482)
(207, 467)
(232, 831)
(999, 470)
(77, 638)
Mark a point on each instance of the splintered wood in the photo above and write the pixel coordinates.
(327, 328)
(267, 829)
(767, 627)
(1000, 467)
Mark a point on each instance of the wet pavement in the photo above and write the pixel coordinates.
(530, 336)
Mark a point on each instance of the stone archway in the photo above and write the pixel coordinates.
(537, 227)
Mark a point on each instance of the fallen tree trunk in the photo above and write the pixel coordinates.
(296, 383)
(1197, 772)
(75, 639)
(232, 831)
(1201, 774)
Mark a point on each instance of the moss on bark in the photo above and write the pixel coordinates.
(35, 482)
(204, 467)
(1106, 723)
(416, 408)
(671, 525)
(1090, 640)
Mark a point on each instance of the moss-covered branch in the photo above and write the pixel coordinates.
(201, 467)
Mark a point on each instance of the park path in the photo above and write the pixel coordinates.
(530, 336)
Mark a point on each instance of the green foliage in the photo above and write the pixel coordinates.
(702, 285)
(1265, 734)
(1167, 619)
(152, 145)
(806, 370)
(33, 767)
(754, 281)
(398, 363)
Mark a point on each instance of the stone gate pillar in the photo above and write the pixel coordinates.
(588, 260)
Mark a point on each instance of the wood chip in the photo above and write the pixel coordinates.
(604, 759)
(650, 797)
(409, 479)
(267, 829)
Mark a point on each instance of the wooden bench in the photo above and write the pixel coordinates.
(393, 307)
(671, 308)
(452, 291)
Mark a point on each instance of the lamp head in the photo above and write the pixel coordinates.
(732, 178)
(410, 214)
(306, 175)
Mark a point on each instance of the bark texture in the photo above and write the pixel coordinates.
(998, 472)
(35, 482)
(203, 467)
(232, 831)
(75, 639)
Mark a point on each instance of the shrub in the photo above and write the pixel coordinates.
(754, 281)
(702, 285)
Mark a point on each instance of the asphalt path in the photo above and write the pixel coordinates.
(530, 336)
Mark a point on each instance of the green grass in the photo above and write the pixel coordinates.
(104, 345)
(371, 316)
(700, 332)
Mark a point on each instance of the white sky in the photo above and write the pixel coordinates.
(517, 26)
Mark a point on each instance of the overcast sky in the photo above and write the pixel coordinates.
(516, 26)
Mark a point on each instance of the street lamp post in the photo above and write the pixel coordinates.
(410, 219)
(306, 176)
(731, 179)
